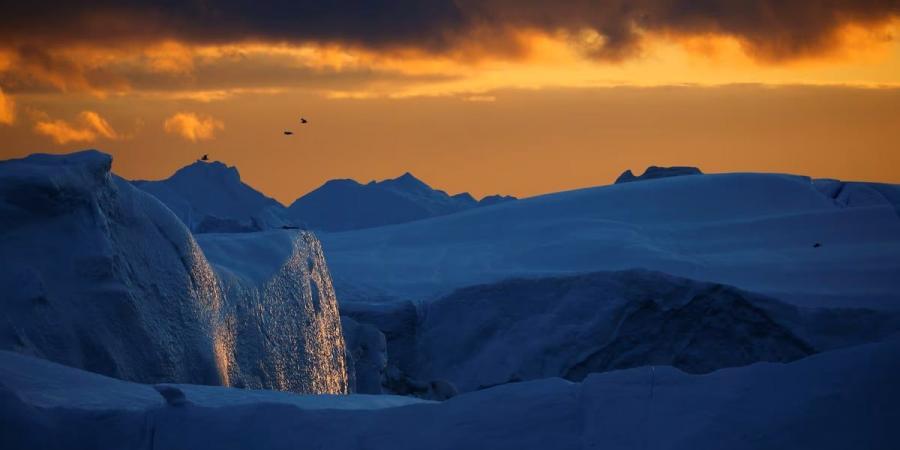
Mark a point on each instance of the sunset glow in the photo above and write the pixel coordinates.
(162, 90)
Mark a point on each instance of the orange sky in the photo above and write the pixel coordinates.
(532, 111)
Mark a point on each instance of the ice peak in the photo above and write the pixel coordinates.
(407, 181)
(209, 169)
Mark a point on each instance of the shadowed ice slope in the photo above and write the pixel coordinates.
(104, 277)
(570, 327)
(836, 400)
(753, 231)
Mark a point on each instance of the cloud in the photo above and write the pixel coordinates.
(480, 98)
(204, 50)
(98, 124)
(192, 126)
(89, 127)
(7, 109)
(204, 72)
(771, 29)
(62, 132)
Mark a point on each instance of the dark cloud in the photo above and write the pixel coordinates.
(375, 23)
(37, 71)
(771, 29)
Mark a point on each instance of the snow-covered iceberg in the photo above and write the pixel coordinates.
(102, 276)
(210, 197)
(754, 231)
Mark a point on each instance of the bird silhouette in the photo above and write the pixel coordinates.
(205, 158)
(288, 133)
(302, 120)
(817, 245)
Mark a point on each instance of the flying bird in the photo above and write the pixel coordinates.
(288, 133)
(302, 120)
(205, 158)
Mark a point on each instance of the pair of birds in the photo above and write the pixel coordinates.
(289, 132)
(286, 133)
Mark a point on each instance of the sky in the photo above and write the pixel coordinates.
(493, 96)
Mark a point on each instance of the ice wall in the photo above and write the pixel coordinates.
(102, 276)
(282, 306)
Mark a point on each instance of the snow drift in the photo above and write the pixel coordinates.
(836, 400)
(102, 276)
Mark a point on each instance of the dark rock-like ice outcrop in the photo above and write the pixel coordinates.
(654, 172)
(102, 276)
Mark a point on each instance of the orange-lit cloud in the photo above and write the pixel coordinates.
(868, 57)
(7, 109)
(89, 127)
(480, 98)
(98, 124)
(402, 48)
(193, 127)
(62, 132)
